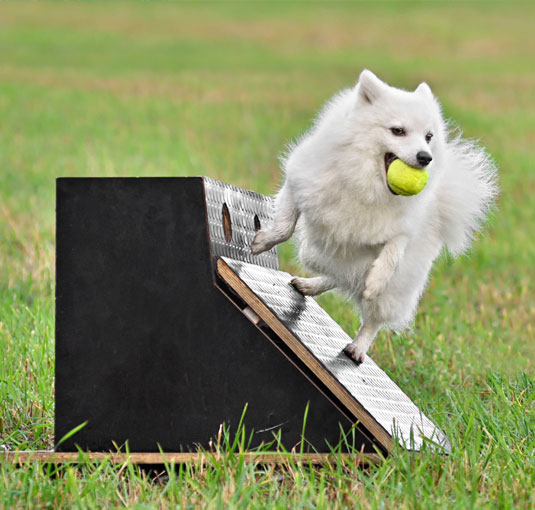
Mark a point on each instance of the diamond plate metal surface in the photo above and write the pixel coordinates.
(243, 205)
(325, 339)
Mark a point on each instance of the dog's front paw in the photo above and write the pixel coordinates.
(262, 242)
(303, 286)
(355, 353)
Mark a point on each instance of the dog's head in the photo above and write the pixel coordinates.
(392, 123)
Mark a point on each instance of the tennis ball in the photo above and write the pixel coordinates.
(406, 180)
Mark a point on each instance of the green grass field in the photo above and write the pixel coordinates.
(99, 89)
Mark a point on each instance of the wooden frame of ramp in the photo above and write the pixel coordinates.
(203, 230)
(317, 340)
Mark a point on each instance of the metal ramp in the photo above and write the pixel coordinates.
(308, 331)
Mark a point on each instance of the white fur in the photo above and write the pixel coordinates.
(373, 245)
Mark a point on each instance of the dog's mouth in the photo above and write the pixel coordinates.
(389, 158)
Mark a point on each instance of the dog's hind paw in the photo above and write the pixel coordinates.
(262, 242)
(355, 353)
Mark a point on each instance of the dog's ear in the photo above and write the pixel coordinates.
(369, 86)
(424, 90)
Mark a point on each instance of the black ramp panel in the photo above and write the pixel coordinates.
(148, 349)
(324, 339)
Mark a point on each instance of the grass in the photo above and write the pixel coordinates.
(144, 89)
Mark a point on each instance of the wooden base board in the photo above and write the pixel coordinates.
(22, 457)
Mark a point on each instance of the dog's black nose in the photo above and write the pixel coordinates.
(424, 158)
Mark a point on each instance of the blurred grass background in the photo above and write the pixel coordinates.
(218, 89)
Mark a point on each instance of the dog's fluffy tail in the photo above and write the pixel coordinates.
(468, 192)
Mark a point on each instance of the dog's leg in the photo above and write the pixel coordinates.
(283, 226)
(358, 348)
(383, 267)
(313, 286)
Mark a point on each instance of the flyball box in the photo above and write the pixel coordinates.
(167, 326)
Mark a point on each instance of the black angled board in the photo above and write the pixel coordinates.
(148, 349)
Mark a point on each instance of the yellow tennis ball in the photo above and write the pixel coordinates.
(406, 180)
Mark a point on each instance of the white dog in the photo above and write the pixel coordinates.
(352, 229)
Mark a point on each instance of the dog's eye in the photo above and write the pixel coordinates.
(428, 137)
(398, 131)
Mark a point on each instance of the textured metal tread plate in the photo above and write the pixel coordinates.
(243, 205)
(324, 338)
